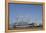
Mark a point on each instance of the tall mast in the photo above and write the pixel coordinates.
(35, 18)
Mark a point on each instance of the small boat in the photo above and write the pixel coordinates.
(24, 26)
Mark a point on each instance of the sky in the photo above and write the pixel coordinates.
(26, 11)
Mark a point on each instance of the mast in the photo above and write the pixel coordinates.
(35, 18)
